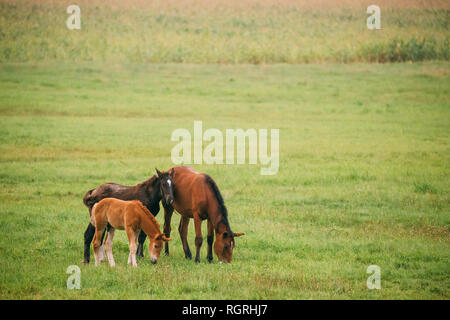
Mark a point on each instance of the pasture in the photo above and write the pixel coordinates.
(363, 178)
(364, 161)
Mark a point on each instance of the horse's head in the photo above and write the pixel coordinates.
(224, 245)
(155, 245)
(166, 185)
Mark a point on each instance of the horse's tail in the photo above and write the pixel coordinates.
(215, 189)
(88, 200)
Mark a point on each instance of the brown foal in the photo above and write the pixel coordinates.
(130, 216)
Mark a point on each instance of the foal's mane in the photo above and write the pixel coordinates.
(148, 213)
(220, 201)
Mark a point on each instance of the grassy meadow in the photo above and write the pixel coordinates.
(364, 147)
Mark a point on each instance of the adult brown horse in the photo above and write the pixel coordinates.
(149, 192)
(197, 196)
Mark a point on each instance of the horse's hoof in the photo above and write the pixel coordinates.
(85, 262)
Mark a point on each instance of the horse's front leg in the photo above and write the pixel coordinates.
(210, 240)
(140, 247)
(198, 236)
(168, 211)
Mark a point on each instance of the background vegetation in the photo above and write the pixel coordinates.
(235, 31)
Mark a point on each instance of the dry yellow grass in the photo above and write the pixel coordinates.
(233, 31)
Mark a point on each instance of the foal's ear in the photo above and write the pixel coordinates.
(158, 172)
(162, 237)
(237, 234)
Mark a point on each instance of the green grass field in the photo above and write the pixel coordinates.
(363, 178)
(364, 174)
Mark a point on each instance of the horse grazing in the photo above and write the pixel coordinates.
(149, 192)
(130, 216)
(198, 197)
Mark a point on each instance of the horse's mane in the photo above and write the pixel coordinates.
(148, 213)
(220, 201)
(148, 182)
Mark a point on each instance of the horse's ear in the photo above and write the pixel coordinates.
(158, 172)
(172, 172)
(237, 234)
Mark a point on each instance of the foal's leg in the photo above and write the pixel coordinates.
(102, 255)
(132, 243)
(168, 211)
(108, 244)
(198, 236)
(96, 244)
(137, 250)
(210, 239)
(183, 229)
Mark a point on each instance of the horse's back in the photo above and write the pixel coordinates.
(192, 191)
(114, 211)
(106, 190)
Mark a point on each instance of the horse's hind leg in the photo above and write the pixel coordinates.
(108, 244)
(183, 229)
(140, 247)
(88, 236)
(198, 236)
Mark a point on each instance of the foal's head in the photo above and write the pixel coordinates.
(166, 185)
(224, 245)
(155, 245)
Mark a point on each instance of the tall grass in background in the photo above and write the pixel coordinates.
(224, 31)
